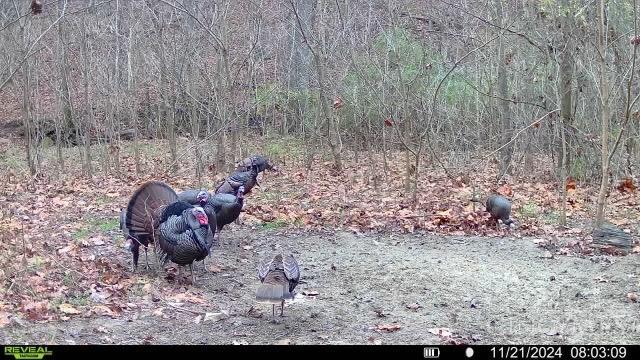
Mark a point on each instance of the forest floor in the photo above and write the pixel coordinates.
(389, 289)
(375, 268)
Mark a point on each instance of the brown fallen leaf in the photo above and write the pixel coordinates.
(214, 269)
(442, 332)
(216, 316)
(4, 319)
(68, 309)
(388, 327)
(632, 296)
(189, 297)
(413, 306)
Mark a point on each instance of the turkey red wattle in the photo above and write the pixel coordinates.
(202, 218)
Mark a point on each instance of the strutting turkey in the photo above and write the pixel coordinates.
(248, 179)
(179, 229)
(500, 209)
(226, 207)
(263, 163)
(278, 278)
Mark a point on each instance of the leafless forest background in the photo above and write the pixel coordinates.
(451, 85)
(383, 115)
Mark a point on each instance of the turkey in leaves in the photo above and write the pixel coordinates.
(500, 209)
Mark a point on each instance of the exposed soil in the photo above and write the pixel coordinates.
(483, 290)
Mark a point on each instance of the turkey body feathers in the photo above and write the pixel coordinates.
(227, 208)
(182, 241)
(499, 208)
(248, 179)
(279, 277)
(260, 161)
(190, 196)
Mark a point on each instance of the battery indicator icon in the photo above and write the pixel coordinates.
(431, 353)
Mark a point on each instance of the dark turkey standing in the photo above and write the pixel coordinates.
(179, 228)
(248, 179)
(278, 278)
(202, 198)
(226, 207)
(263, 163)
(500, 209)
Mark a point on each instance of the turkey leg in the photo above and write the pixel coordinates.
(193, 278)
(146, 258)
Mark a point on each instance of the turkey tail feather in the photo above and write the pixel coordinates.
(145, 207)
(270, 293)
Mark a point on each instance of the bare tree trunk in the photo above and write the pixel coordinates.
(27, 118)
(503, 91)
(133, 121)
(88, 117)
(330, 118)
(300, 69)
(566, 76)
(604, 112)
(64, 126)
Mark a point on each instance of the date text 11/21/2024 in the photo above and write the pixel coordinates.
(556, 352)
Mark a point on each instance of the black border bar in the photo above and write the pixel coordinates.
(388, 352)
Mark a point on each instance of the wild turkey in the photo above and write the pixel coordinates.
(179, 228)
(133, 244)
(193, 197)
(248, 179)
(227, 208)
(278, 278)
(203, 199)
(500, 209)
(263, 163)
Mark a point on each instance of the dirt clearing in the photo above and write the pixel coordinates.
(389, 289)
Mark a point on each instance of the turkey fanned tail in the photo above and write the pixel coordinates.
(278, 278)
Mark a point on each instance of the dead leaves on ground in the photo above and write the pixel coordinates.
(387, 328)
(70, 267)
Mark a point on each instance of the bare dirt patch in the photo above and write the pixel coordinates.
(368, 289)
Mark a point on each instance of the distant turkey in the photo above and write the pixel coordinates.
(226, 207)
(500, 209)
(248, 179)
(263, 163)
(133, 244)
(179, 229)
(278, 278)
